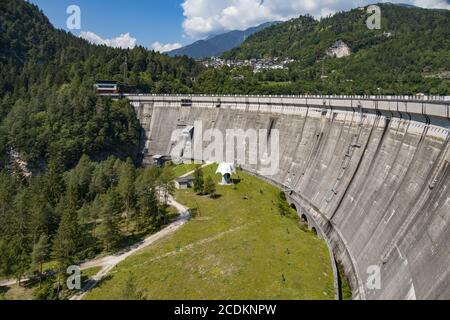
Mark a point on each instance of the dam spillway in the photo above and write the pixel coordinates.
(371, 174)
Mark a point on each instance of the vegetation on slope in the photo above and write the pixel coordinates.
(70, 208)
(50, 116)
(69, 217)
(48, 108)
(237, 246)
(405, 56)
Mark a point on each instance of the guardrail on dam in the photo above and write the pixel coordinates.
(370, 174)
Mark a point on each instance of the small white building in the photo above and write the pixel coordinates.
(184, 182)
(226, 170)
(106, 87)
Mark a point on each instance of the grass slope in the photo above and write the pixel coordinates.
(236, 247)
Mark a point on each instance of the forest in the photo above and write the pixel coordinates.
(70, 216)
(71, 186)
(410, 54)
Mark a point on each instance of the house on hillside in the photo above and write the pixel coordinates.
(106, 87)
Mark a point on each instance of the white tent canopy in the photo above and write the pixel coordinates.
(226, 170)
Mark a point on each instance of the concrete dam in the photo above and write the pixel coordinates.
(370, 174)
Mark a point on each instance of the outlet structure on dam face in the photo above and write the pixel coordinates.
(370, 174)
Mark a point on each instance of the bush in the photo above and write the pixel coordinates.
(46, 291)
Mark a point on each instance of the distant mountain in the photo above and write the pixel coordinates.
(216, 45)
(411, 44)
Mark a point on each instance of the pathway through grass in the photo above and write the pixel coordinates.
(236, 247)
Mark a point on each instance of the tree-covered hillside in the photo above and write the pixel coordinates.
(47, 103)
(409, 54)
(69, 207)
(48, 108)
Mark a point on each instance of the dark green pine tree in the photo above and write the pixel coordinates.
(166, 183)
(108, 231)
(147, 209)
(79, 179)
(210, 186)
(42, 219)
(67, 243)
(126, 189)
(283, 205)
(53, 183)
(199, 181)
(19, 241)
(40, 254)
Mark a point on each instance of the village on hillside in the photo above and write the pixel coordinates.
(256, 64)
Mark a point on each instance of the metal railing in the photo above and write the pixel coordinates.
(418, 98)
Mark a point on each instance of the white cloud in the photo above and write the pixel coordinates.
(204, 17)
(160, 47)
(124, 41)
(435, 4)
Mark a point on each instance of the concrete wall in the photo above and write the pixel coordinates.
(371, 174)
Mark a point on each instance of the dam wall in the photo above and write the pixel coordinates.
(371, 174)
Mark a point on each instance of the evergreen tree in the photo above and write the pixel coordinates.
(46, 291)
(198, 180)
(7, 190)
(67, 243)
(104, 177)
(283, 205)
(126, 187)
(19, 241)
(79, 179)
(109, 232)
(166, 183)
(42, 219)
(210, 186)
(147, 208)
(40, 254)
(53, 183)
(162, 216)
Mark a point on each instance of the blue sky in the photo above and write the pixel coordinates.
(147, 21)
(168, 24)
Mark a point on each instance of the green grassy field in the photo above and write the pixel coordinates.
(182, 169)
(236, 247)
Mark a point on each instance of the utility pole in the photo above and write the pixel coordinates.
(322, 77)
(125, 69)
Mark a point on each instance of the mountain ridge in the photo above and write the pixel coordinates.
(406, 55)
(216, 45)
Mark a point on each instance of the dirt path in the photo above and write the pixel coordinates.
(192, 172)
(8, 283)
(108, 263)
(198, 243)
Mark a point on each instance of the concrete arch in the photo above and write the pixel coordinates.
(304, 219)
(293, 206)
(333, 164)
